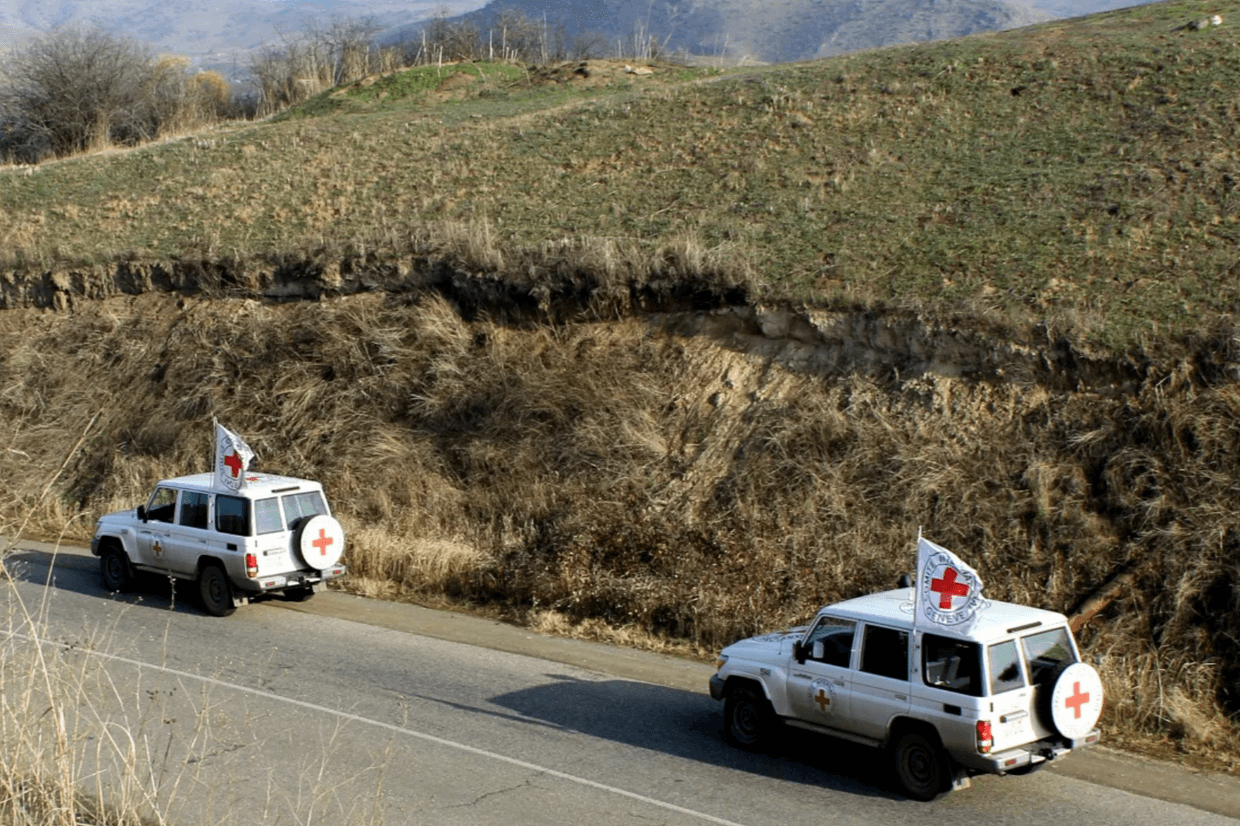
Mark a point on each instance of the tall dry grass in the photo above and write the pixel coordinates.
(613, 475)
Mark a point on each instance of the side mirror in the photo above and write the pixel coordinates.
(141, 513)
(798, 652)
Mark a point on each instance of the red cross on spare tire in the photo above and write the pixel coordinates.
(320, 541)
(1075, 702)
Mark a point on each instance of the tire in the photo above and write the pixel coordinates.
(749, 720)
(298, 594)
(215, 591)
(920, 766)
(114, 567)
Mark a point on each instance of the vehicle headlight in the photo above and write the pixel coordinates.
(720, 660)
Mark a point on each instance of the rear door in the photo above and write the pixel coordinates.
(880, 685)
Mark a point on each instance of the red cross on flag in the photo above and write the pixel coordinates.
(232, 458)
(949, 592)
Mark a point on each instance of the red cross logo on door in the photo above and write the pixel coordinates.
(1078, 699)
(324, 540)
(947, 587)
(822, 699)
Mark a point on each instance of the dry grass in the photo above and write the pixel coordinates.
(635, 485)
(529, 382)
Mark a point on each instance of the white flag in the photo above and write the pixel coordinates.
(232, 459)
(948, 592)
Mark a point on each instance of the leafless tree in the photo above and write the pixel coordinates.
(73, 89)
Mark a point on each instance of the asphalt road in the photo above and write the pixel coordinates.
(346, 710)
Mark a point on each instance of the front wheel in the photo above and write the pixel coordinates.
(114, 567)
(215, 591)
(921, 766)
(749, 719)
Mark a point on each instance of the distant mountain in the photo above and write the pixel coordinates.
(224, 31)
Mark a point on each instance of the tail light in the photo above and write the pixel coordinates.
(985, 737)
(251, 565)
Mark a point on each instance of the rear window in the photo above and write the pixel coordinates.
(1004, 662)
(267, 516)
(1045, 650)
(299, 506)
(952, 665)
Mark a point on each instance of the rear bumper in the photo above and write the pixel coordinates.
(295, 579)
(1028, 755)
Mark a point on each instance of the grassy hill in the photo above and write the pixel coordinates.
(674, 357)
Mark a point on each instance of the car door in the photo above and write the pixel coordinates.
(818, 687)
(189, 535)
(880, 685)
(155, 534)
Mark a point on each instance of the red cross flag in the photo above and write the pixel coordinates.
(949, 593)
(232, 458)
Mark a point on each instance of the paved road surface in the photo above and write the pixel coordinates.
(346, 710)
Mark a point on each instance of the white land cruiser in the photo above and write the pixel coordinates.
(1005, 696)
(274, 534)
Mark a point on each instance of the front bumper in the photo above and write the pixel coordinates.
(716, 687)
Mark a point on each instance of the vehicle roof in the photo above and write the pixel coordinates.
(256, 485)
(998, 620)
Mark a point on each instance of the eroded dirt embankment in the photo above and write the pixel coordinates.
(894, 344)
(660, 454)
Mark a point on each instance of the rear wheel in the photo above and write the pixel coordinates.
(215, 591)
(114, 567)
(749, 719)
(921, 766)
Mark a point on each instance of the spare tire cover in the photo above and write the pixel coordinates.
(1076, 700)
(320, 541)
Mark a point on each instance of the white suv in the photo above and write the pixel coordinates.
(276, 533)
(1005, 694)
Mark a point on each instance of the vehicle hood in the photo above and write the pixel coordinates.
(128, 517)
(766, 646)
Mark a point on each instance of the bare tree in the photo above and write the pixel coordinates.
(74, 89)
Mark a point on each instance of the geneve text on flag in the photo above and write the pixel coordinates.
(949, 592)
(232, 459)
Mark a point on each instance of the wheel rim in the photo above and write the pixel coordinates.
(745, 724)
(113, 570)
(919, 766)
(215, 588)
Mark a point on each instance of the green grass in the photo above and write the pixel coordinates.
(1077, 170)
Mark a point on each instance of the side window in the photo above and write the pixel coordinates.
(954, 665)
(836, 636)
(163, 505)
(232, 515)
(1005, 673)
(193, 509)
(884, 651)
(267, 516)
(299, 506)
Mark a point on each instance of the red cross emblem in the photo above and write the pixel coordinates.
(324, 540)
(1078, 699)
(233, 461)
(948, 587)
(822, 699)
